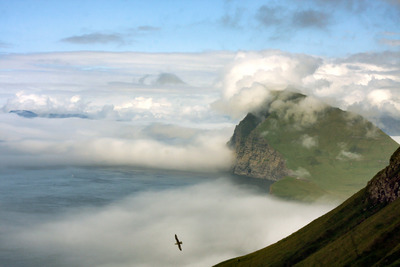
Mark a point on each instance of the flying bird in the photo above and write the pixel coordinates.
(179, 243)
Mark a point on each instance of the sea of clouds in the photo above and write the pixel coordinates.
(215, 220)
(111, 108)
(175, 112)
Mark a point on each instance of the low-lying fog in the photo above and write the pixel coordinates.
(215, 218)
(172, 112)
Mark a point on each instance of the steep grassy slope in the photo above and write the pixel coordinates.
(363, 231)
(328, 152)
(347, 150)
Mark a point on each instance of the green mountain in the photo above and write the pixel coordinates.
(310, 149)
(363, 231)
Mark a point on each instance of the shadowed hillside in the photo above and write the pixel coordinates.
(363, 231)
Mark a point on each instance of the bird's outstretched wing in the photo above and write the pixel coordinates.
(179, 243)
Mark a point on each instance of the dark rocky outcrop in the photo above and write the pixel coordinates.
(384, 188)
(254, 156)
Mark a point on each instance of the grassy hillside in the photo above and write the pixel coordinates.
(360, 232)
(348, 235)
(330, 152)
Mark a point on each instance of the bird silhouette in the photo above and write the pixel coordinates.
(179, 243)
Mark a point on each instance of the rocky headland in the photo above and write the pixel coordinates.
(310, 149)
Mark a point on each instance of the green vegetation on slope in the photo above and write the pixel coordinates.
(349, 235)
(363, 231)
(329, 152)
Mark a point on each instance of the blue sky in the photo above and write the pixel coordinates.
(318, 27)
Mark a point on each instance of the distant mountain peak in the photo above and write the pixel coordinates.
(168, 78)
(161, 79)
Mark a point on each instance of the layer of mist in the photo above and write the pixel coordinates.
(215, 218)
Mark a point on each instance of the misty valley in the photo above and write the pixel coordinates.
(128, 217)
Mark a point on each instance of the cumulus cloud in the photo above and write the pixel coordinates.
(253, 75)
(217, 220)
(45, 103)
(363, 83)
(276, 70)
(246, 100)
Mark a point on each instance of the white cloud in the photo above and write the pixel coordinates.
(253, 74)
(46, 103)
(396, 138)
(379, 97)
(274, 69)
(247, 100)
(309, 141)
(49, 142)
(304, 112)
(347, 155)
(300, 173)
(106, 85)
(364, 83)
(215, 220)
(105, 88)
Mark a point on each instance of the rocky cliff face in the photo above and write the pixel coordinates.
(384, 188)
(254, 156)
